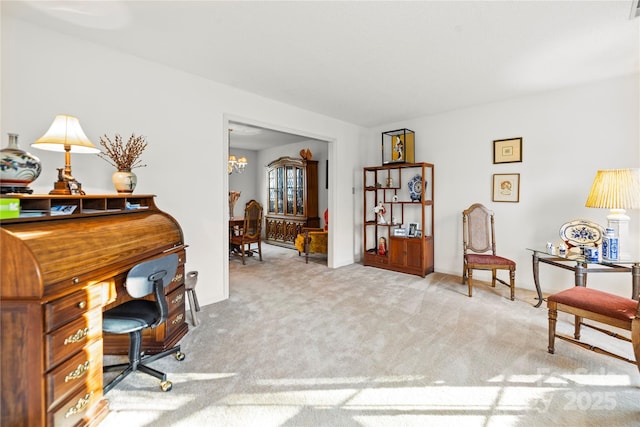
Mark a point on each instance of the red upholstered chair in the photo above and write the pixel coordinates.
(479, 247)
(600, 307)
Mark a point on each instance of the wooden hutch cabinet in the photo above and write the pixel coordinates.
(64, 261)
(398, 217)
(292, 191)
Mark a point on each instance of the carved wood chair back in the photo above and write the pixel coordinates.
(479, 248)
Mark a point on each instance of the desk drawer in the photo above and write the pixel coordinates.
(76, 371)
(78, 406)
(176, 310)
(70, 307)
(71, 338)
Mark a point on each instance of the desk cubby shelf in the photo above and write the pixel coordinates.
(42, 207)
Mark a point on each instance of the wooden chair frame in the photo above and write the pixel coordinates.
(610, 312)
(251, 231)
(478, 234)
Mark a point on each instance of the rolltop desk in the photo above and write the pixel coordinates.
(58, 274)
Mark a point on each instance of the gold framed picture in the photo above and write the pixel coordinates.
(507, 150)
(506, 187)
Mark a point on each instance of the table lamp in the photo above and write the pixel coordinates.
(65, 134)
(617, 189)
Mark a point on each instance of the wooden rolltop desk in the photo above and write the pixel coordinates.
(63, 262)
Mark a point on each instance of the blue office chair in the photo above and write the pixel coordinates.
(132, 317)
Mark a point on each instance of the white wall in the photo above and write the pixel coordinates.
(245, 182)
(185, 119)
(567, 136)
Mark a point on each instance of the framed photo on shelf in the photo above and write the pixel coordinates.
(507, 150)
(418, 233)
(399, 232)
(506, 187)
(413, 226)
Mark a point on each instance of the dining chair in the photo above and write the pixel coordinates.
(250, 233)
(479, 248)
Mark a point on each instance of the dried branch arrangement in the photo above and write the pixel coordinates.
(124, 156)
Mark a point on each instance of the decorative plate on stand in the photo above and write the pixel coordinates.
(415, 188)
(581, 232)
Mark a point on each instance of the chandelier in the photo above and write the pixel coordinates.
(236, 165)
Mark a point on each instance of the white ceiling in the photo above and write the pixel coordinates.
(368, 63)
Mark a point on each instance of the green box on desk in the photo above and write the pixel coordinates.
(9, 208)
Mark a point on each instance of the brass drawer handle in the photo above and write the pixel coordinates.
(177, 299)
(77, 337)
(178, 319)
(177, 278)
(82, 369)
(82, 305)
(82, 404)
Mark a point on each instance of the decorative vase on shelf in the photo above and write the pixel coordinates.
(18, 168)
(125, 181)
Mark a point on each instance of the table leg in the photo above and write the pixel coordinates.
(536, 278)
(581, 274)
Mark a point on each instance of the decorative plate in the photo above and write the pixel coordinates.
(581, 232)
(415, 188)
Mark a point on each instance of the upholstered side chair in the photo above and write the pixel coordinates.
(479, 246)
(313, 240)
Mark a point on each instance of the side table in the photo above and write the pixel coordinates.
(577, 263)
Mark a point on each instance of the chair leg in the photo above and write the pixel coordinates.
(260, 249)
(193, 305)
(553, 316)
(464, 272)
(494, 274)
(470, 281)
(512, 283)
(242, 253)
(635, 339)
(576, 327)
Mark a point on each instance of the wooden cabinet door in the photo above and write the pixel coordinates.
(397, 252)
(413, 253)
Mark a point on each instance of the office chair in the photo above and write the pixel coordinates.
(133, 316)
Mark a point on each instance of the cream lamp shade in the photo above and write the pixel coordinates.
(66, 135)
(617, 190)
(65, 131)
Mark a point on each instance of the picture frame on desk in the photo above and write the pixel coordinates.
(413, 227)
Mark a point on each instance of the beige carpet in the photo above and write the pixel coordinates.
(302, 345)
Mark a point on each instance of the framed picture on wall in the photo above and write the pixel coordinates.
(506, 187)
(507, 150)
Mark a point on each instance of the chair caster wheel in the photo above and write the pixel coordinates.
(180, 356)
(166, 385)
